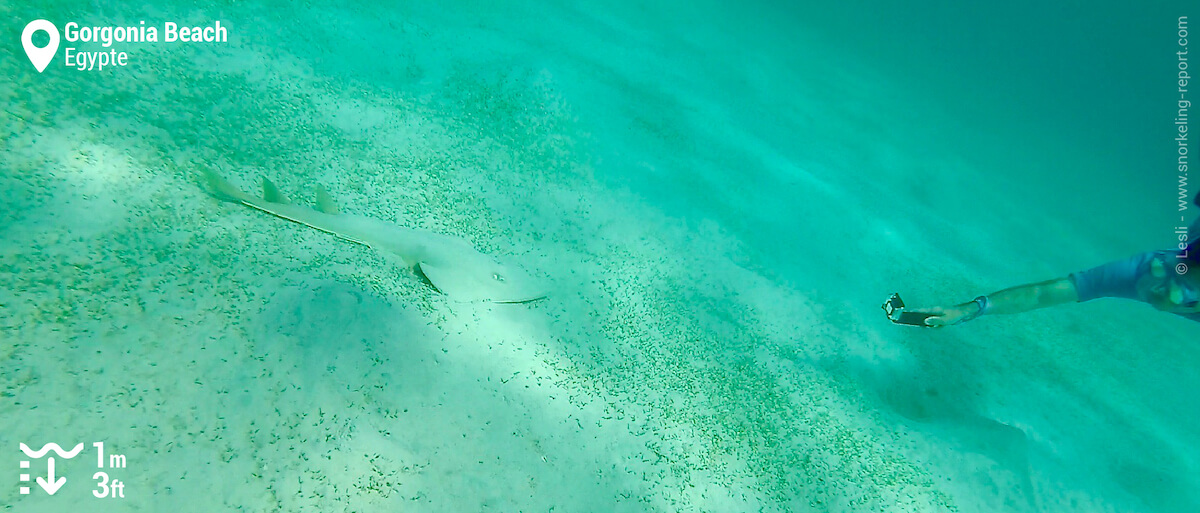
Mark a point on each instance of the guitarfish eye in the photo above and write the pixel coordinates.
(497, 277)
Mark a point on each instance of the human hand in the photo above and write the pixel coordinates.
(946, 316)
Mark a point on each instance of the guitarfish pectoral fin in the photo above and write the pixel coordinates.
(469, 283)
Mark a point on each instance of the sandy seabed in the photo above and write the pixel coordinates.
(242, 362)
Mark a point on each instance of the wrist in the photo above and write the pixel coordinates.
(975, 308)
(984, 303)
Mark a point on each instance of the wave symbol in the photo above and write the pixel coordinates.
(46, 448)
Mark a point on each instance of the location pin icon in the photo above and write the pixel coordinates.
(40, 57)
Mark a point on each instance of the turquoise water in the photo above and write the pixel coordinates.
(716, 199)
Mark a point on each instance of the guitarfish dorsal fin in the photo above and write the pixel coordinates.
(272, 194)
(325, 202)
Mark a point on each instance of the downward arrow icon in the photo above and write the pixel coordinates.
(49, 483)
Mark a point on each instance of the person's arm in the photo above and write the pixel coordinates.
(1022, 298)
